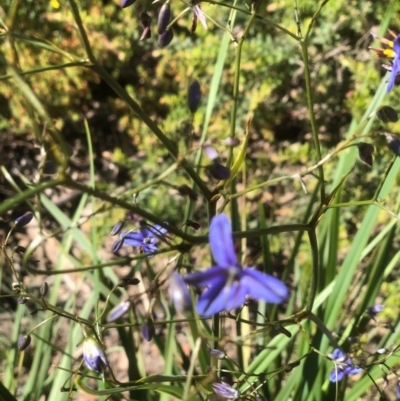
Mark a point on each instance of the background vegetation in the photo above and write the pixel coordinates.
(295, 83)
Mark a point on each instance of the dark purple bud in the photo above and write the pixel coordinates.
(44, 289)
(218, 171)
(193, 24)
(22, 300)
(49, 168)
(374, 309)
(387, 114)
(146, 34)
(94, 356)
(128, 281)
(179, 293)
(126, 3)
(145, 19)
(23, 342)
(193, 224)
(148, 330)
(194, 96)
(157, 309)
(118, 311)
(225, 390)
(164, 17)
(394, 143)
(166, 38)
(20, 249)
(117, 228)
(365, 151)
(117, 245)
(23, 220)
(186, 190)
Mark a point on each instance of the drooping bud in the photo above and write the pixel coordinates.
(186, 190)
(210, 152)
(225, 390)
(216, 353)
(194, 96)
(23, 342)
(164, 17)
(23, 220)
(145, 19)
(117, 245)
(146, 34)
(387, 114)
(393, 143)
(179, 293)
(127, 3)
(94, 356)
(193, 224)
(218, 171)
(374, 309)
(49, 168)
(128, 281)
(148, 330)
(118, 311)
(365, 151)
(44, 289)
(20, 249)
(166, 38)
(117, 228)
(193, 24)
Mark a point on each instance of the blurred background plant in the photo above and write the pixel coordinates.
(81, 154)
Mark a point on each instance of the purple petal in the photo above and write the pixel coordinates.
(396, 64)
(338, 354)
(210, 301)
(225, 390)
(263, 286)
(352, 370)
(132, 239)
(207, 277)
(179, 293)
(221, 241)
(336, 374)
(200, 15)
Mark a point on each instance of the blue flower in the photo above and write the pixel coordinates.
(229, 284)
(147, 238)
(93, 355)
(396, 64)
(344, 366)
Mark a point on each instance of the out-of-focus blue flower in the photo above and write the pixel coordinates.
(398, 390)
(374, 309)
(93, 355)
(396, 64)
(229, 284)
(147, 238)
(343, 366)
(179, 293)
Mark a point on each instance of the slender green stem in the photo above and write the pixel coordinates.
(315, 269)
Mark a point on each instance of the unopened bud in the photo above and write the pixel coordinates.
(164, 16)
(218, 171)
(127, 3)
(225, 391)
(186, 190)
(117, 228)
(117, 245)
(94, 356)
(148, 330)
(23, 342)
(387, 114)
(166, 38)
(118, 311)
(194, 96)
(128, 281)
(216, 353)
(44, 289)
(23, 220)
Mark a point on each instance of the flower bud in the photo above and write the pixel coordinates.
(148, 330)
(374, 309)
(194, 96)
(49, 168)
(186, 190)
(225, 390)
(193, 224)
(179, 293)
(44, 289)
(218, 171)
(128, 281)
(387, 114)
(216, 353)
(118, 311)
(126, 3)
(193, 24)
(145, 19)
(23, 220)
(365, 151)
(231, 142)
(393, 143)
(146, 34)
(117, 245)
(93, 355)
(23, 342)
(117, 228)
(166, 38)
(164, 16)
